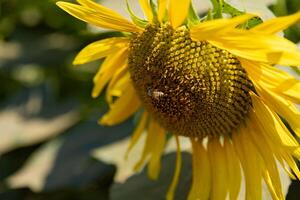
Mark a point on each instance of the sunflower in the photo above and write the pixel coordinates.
(212, 80)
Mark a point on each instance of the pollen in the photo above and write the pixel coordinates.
(191, 88)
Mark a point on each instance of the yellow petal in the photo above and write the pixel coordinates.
(283, 107)
(267, 177)
(147, 146)
(278, 81)
(172, 188)
(251, 164)
(274, 142)
(201, 181)
(137, 132)
(100, 49)
(117, 84)
(291, 163)
(111, 64)
(272, 124)
(153, 148)
(275, 130)
(272, 177)
(219, 178)
(214, 28)
(99, 16)
(157, 150)
(234, 170)
(147, 9)
(178, 11)
(162, 8)
(122, 108)
(286, 167)
(264, 48)
(97, 7)
(277, 24)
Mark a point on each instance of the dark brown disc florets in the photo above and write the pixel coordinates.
(191, 88)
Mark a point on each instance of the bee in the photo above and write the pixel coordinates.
(155, 94)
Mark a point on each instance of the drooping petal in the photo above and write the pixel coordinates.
(286, 168)
(214, 28)
(201, 181)
(272, 125)
(255, 46)
(272, 140)
(145, 4)
(283, 144)
(217, 157)
(277, 24)
(111, 64)
(178, 11)
(268, 180)
(273, 80)
(117, 84)
(172, 188)
(291, 163)
(162, 8)
(234, 170)
(251, 164)
(271, 173)
(98, 16)
(137, 132)
(100, 49)
(283, 107)
(124, 107)
(153, 148)
(156, 151)
(278, 81)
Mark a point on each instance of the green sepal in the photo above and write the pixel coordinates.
(228, 9)
(296, 70)
(233, 12)
(192, 18)
(209, 15)
(217, 8)
(253, 22)
(154, 11)
(136, 20)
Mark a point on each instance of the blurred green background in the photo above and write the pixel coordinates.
(51, 146)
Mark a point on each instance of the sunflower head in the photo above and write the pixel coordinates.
(191, 87)
(213, 80)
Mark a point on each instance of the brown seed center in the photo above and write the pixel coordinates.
(191, 88)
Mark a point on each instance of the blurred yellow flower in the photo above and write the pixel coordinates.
(210, 80)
